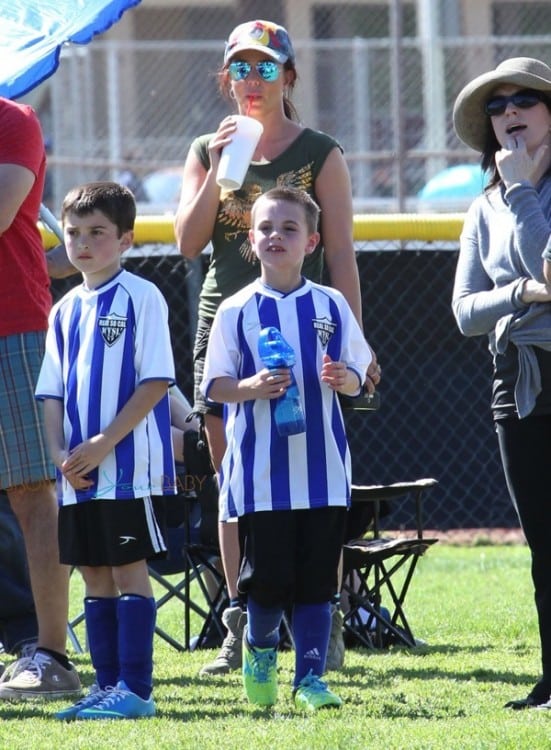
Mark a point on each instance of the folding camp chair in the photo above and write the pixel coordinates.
(193, 552)
(378, 570)
(78, 648)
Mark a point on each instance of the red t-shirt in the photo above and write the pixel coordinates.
(25, 298)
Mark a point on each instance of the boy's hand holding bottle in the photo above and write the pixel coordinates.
(276, 353)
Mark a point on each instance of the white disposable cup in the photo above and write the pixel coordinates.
(237, 155)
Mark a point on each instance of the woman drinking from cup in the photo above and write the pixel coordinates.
(258, 75)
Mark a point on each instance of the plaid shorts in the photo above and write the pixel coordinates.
(23, 454)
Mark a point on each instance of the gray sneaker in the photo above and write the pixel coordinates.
(12, 670)
(230, 655)
(336, 649)
(41, 677)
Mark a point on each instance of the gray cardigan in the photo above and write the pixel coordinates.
(504, 237)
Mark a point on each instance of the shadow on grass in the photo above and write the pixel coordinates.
(349, 676)
(194, 708)
(29, 709)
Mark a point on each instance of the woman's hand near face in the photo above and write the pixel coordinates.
(220, 139)
(200, 195)
(515, 164)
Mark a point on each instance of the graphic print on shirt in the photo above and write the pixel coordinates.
(112, 327)
(325, 328)
(236, 207)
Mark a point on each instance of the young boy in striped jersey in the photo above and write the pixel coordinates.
(290, 494)
(104, 383)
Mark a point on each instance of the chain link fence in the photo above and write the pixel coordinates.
(382, 78)
(379, 76)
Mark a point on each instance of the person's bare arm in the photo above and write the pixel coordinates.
(15, 184)
(334, 193)
(264, 384)
(59, 265)
(268, 384)
(180, 409)
(53, 425)
(200, 196)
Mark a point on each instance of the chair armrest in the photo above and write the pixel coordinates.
(376, 493)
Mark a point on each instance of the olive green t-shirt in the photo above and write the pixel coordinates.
(233, 263)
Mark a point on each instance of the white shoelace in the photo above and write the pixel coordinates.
(28, 650)
(18, 666)
(32, 672)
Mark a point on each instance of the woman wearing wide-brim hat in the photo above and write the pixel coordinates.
(500, 291)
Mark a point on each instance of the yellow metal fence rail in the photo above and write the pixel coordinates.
(367, 227)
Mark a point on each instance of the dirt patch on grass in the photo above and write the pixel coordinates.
(476, 537)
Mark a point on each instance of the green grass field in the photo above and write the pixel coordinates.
(472, 605)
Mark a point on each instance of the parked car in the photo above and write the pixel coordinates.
(452, 189)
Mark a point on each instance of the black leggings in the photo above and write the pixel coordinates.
(525, 447)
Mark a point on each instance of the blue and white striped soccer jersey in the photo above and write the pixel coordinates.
(101, 344)
(262, 470)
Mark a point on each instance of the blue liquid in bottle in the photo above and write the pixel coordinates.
(275, 352)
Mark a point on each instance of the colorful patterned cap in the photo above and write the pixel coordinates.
(263, 36)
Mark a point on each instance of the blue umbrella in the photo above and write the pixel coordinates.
(33, 32)
(463, 181)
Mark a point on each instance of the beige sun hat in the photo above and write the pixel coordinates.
(469, 118)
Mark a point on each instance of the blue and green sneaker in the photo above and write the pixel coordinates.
(94, 695)
(312, 694)
(259, 673)
(119, 703)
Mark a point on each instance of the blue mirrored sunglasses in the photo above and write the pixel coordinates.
(525, 99)
(266, 69)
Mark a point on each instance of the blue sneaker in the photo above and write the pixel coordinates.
(312, 694)
(259, 673)
(94, 695)
(119, 703)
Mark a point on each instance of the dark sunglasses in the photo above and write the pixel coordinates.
(525, 99)
(266, 69)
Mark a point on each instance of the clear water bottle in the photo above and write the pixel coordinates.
(275, 352)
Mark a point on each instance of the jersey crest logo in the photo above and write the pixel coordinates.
(112, 327)
(325, 329)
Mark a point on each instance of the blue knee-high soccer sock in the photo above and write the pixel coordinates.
(103, 638)
(136, 629)
(311, 630)
(263, 625)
